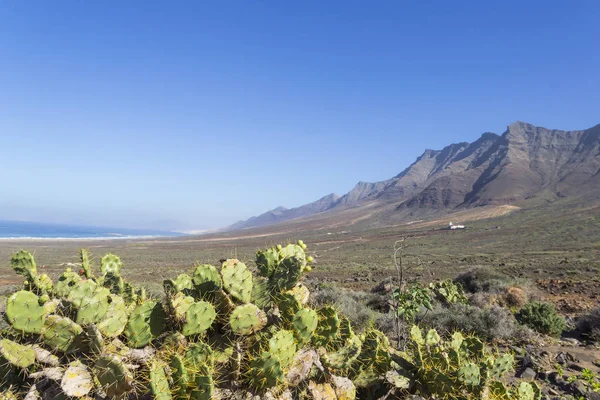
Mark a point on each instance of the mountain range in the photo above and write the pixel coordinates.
(525, 162)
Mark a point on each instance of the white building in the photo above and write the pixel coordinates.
(451, 226)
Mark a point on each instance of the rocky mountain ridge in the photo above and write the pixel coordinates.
(524, 162)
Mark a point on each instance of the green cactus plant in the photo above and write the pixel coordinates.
(24, 312)
(159, 383)
(110, 264)
(23, 263)
(113, 376)
(345, 356)
(206, 279)
(198, 318)
(265, 371)
(94, 308)
(62, 334)
(282, 345)
(304, 325)
(247, 319)
(86, 265)
(115, 319)
(145, 323)
(237, 280)
(327, 327)
(65, 282)
(16, 354)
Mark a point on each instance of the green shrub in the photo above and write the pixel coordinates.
(350, 304)
(483, 280)
(489, 323)
(541, 317)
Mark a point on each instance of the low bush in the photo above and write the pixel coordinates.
(350, 304)
(541, 317)
(483, 280)
(589, 324)
(490, 323)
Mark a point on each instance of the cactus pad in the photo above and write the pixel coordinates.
(115, 319)
(16, 354)
(113, 376)
(501, 366)
(198, 318)
(81, 291)
(110, 264)
(301, 293)
(327, 328)
(202, 386)
(85, 263)
(305, 323)
(159, 383)
(65, 282)
(237, 280)
(179, 371)
(181, 283)
(60, 333)
(93, 339)
(94, 308)
(288, 306)
(24, 312)
(146, 322)
(525, 391)
(77, 380)
(207, 279)
(469, 374)
(179, 303)
(432, 338)
(247, 319)
(344, 357)
(267, 261)
(24, 264)
(199, 355)
(283, 346)
(42, 283)
(264, 372)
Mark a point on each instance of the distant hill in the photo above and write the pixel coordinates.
(524, 162)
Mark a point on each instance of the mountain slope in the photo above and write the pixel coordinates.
(524, 162)
(281, 214)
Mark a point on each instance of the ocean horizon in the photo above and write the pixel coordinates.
(37, 230)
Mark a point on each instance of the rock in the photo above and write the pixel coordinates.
(575, 367)
(384, 287)
(570, 341)
(528, 373)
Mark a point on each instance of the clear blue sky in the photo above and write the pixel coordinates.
(192, 115)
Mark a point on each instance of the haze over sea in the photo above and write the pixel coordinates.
(35, 230)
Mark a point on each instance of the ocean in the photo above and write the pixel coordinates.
(35, 230)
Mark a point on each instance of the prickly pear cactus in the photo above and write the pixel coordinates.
(198, 318)
(16, 354)
(114, 377)
(247, 319)
(206, 279)
(110, 264)
(237, 280)
(223, 329)
(24, 312)
(24, 264)
(146, 322)
(159, 383)
(86, 265)
(265, 371)
(115, 319)
(62, 334)
(304, 324)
